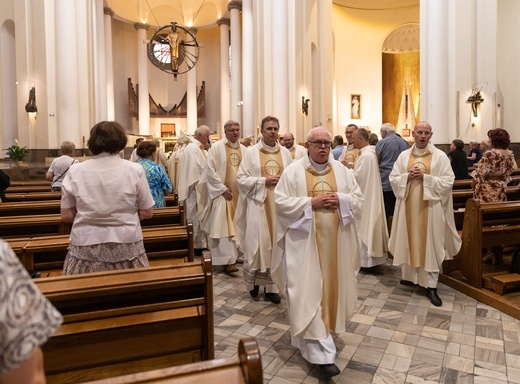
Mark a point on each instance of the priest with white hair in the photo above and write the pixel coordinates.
(318, 203)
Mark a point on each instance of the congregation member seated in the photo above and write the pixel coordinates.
(105, 198)
(458, 159)
(475, 153)
(155, 174)
(61, 165)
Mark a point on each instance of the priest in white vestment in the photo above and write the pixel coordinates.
(350, 154)
(173, 161)
(217, 196)
(423, 228)
(318, 202)
(191, 166)
(258, 175)
(297, 151)
(373, 230)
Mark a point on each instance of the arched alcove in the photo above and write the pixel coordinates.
(401, 73)
(8, 110)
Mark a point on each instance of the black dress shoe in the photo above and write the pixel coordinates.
(408, 282)
(431, 294)
(329, 370)
(254, 291)
(272, 297)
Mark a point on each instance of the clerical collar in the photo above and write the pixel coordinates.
(318, 167)
(234, 145)
(269, 149)
(421, 152)
(291, 149)
(350, 146)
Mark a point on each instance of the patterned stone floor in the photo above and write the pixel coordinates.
(396, 336)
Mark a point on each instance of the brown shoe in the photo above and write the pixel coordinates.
(230, 268)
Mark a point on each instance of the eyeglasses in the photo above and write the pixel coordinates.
(318, 144)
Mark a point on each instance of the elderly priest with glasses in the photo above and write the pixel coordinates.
(318, 203)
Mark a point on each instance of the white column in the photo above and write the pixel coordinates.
(142, 79)
(248, 70)
(225, 92)
(99, 61)
(67, 73)
(486, 66)
(109, 64)
(191, 86)
(279, 47)
(236, 63)
(325, 63)
(434, 68)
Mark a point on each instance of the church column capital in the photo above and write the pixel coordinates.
(141, 26)
(223, 22)
(234, 5)
(193, 30)
(108, 11)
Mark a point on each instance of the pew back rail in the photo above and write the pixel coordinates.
(129, 321)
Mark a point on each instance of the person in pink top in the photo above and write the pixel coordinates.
(105, 198)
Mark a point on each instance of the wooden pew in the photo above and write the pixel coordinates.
(461, 196)
(33, 225)
(485, 226)
(33, 196)
(161, 216)
(29, 188)
(129, 321)
(466, 183)
(171, 200)
(43, 207)
(46, 224)
(163, 245)
(23, 183)
(246, 368)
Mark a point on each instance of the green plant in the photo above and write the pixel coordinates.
(17, 153)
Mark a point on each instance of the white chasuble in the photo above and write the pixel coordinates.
(317, 184)
(373, 230)
(431, 201)
(417, 210)
(317, 257)
(255, 214)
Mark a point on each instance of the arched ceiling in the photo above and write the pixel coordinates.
(204, 13)
(190, 13)
(376, 4)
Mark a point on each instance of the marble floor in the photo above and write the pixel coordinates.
(395, 336)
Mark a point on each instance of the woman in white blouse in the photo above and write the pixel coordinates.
(105, 198)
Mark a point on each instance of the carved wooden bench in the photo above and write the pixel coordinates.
(246, 368)
(486, 226)
(129, 321)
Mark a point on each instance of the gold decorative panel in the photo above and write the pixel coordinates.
(399, 71)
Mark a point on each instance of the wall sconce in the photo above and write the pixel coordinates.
(475, 99)
(30, 107)
(305, 105)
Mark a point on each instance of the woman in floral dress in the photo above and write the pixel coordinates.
(493, 172)
(155, 174)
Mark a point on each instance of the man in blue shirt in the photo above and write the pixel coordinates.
(387, 151)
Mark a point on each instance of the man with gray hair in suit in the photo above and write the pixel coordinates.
(387, 151)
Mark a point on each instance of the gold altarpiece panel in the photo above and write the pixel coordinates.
(400, 70)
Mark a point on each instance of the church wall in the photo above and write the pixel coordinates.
(359, 36)
(508, 62)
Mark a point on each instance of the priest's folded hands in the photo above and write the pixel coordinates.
(328, 200)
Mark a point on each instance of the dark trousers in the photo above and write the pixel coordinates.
(389, 199)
